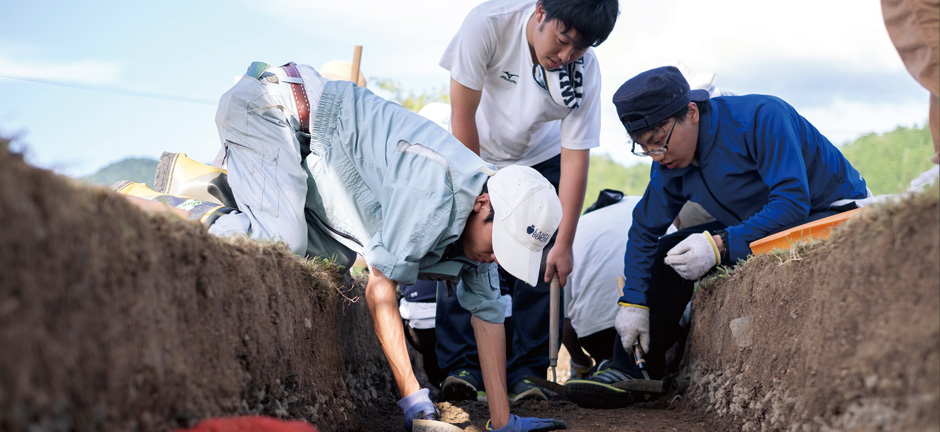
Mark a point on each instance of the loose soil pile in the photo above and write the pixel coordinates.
(113, 319)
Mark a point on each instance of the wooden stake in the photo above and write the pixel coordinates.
(357, 57)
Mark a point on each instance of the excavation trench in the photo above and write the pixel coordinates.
(113, 319)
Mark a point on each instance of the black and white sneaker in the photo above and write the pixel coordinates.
(598, 390)
(526, 390)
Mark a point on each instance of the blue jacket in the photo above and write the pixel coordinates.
(761, 166)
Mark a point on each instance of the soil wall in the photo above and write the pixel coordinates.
(113, 319)
(840, 335)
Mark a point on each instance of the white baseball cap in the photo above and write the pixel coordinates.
(527, 213)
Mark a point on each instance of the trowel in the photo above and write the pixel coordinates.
(645, 385)
(421, 425)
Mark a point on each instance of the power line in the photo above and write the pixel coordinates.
(123, 92)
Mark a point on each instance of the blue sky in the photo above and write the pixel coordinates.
(83, 84)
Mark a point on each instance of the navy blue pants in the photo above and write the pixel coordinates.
(526, 331)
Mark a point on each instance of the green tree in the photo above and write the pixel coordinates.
(889, 161)
(605, 173)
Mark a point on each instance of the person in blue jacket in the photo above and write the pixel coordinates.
(751, 161)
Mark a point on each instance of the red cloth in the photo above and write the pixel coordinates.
(250, 424)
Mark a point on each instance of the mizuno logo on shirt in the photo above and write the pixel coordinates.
(508, 77)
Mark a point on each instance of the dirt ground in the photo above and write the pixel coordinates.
(114, 320)
(472, 416)
(659, 414)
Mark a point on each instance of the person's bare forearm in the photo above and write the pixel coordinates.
(571, 189)
(491, 344)
(386, 319)
(463, 108)
(573, 181)
(466, 132)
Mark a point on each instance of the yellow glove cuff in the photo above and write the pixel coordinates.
(711, 239)
(625, 304)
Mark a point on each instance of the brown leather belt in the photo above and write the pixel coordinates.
(300, 97)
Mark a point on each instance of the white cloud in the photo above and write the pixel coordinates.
(839, 48)
(388, 18)
(794, 49)
(734, 34)
(845, 121)
(402, 41)
(20, 61)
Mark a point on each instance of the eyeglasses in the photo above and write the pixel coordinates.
(658, 150)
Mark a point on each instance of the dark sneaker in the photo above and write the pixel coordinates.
(526, 390)
(598, 391)
(462, 386)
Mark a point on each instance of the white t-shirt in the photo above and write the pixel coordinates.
(592, 295)
(517, 120)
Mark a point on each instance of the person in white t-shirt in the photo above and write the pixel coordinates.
(525, 89)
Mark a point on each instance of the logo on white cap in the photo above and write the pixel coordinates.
(539, 236)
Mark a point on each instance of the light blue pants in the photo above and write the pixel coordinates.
(258, 129)
(276, 194)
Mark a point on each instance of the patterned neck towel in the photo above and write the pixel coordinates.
(564, 84)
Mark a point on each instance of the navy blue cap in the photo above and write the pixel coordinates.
(654, 96)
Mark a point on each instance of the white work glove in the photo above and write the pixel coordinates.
(694, 256)
(633, 322)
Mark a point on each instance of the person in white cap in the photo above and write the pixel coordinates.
(333, 170)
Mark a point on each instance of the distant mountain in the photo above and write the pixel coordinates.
(132, 169)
